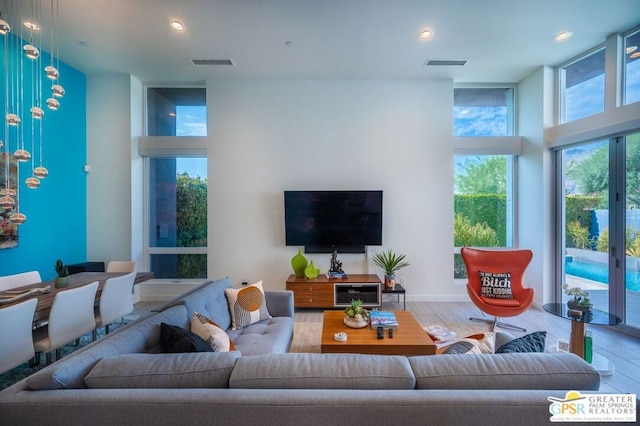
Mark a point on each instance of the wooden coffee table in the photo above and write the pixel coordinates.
(408, 339)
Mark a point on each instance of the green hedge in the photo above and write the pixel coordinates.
(489, 209)
(578, 208)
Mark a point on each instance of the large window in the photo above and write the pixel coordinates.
(483, 111)
(632, 68)
(176, 169)
(582, 87)
(483, 182)
(483, 204)
(176, 111)
(177, 225)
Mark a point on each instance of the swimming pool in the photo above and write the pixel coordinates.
(599, 272)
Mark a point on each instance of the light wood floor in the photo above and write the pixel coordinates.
(621, 349)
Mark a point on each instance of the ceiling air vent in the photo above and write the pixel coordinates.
(212, 62)
(445, 62)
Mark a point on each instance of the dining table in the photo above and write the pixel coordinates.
(46, 291)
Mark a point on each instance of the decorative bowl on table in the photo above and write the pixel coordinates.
(355, 323)
(355, 316)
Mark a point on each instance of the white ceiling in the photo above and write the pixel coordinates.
(503, 40)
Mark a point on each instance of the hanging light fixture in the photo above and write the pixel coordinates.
(23, 77)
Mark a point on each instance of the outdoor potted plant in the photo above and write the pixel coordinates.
(63, 274)
(580, 299)
(356, 316)
(390, 263)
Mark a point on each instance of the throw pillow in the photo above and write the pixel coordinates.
(247, 305)
(176, 339)
(533, 342)
(483, 343)
(495, 285)
(217, 338)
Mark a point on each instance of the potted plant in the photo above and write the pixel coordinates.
(390, 263)
(63, 274)
(580, 299)
(355, 315)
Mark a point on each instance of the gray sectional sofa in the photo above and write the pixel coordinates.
(124, 379)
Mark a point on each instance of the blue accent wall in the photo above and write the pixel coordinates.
(56, 211)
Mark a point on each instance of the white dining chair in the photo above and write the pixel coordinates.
(120, 266)
(15, 334)
(70, 318)
(116, 301)
(9, 282)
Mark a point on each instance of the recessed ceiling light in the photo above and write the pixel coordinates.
(31, 25)
(425, 34)
(631, 49)
(562, 36)
(177, 25)
(635, 55)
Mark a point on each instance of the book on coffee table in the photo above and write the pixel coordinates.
(440, 335)
(385, 319)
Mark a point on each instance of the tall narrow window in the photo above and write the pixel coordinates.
(176, 169)
(178, 217)
(632, 68)
(483, 204)
(582, 87)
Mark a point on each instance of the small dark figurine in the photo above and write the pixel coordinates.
(336, 265)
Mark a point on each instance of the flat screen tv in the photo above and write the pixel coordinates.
(324, 221)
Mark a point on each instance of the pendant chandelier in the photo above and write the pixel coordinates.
(21, 145)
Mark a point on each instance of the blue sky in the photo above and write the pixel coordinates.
(191, 121)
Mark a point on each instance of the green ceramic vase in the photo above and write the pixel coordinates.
(311, 271)
(299, 264)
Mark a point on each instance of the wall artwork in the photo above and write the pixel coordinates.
(8, 229)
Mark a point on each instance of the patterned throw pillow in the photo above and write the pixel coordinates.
(212, 333)
(247, 305)
(482, 343)
(495, 285)
(533, 342)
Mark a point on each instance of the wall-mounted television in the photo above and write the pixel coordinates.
(324, 221)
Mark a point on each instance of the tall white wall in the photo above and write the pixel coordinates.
(270, 136)
(109, 129)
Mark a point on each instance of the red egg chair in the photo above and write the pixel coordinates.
(488, 272)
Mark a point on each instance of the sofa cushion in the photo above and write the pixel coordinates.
(140, 337)
(533, 342)
(322, 371)
(210, 300)
(247, 305)
(184, 370)
(176, 339)
(272, 336)
(504, 371)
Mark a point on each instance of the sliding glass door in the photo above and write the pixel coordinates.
(599, 183)
(586, 220)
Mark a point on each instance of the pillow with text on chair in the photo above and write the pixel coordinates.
(495, 285)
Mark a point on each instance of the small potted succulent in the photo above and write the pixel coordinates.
(580, 299)
(63, 274)
(355, 315)
(390, 263)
